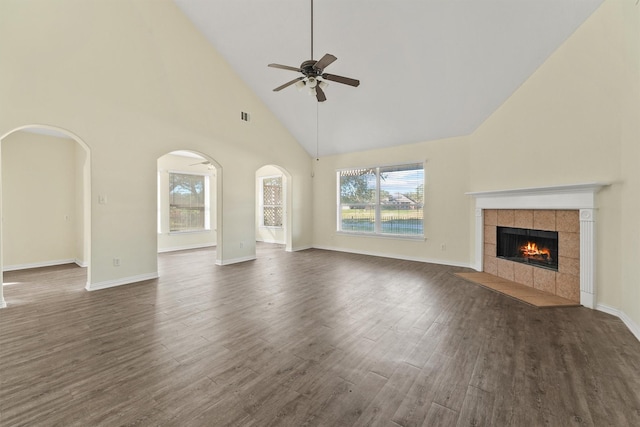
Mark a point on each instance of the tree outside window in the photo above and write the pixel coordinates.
(188, 200)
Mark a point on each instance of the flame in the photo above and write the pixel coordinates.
(531, 250)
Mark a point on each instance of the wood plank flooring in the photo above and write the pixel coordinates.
(306, 338)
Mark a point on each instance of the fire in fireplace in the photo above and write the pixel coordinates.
(535, 247)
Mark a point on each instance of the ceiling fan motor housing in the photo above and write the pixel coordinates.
(308, 70)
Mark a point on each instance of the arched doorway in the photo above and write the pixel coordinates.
(189, 212)
(273, 206)
(45, 199)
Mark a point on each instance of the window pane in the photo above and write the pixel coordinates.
(272, 191)
(402, 199)
(272, 209)
(272, 216)
(357, 200)
(186, 202)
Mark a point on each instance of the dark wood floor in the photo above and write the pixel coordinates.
(306, 338)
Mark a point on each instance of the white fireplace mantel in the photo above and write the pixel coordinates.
(577, 196)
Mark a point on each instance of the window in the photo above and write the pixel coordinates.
(385, 200)
(188, 202)
(271, 202)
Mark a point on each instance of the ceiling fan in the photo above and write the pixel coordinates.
(313, 73)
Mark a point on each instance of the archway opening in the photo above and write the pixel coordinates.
(189, 214)
(273, 206)
(46, 205)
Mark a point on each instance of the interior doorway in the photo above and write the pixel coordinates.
(273, 206)
(189, 184)
(45, 200)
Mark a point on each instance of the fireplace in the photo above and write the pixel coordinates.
(568, 209)
(535, 247)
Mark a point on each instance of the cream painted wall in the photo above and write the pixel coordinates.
(576, 121)
(41, 213)
(269, 234)
(446, 207)
(133, 95)
(176, 241)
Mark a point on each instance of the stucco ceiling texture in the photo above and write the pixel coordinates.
(429, 69)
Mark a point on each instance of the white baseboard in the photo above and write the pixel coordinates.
(275, 242)
(236, 260)
(186, 247)
(301, 248)
(633, 327)
(119, 282)
(81, 263)
(38, 264)
(3, 303)
(395, 256)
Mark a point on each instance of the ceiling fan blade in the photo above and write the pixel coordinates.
(320, 94)
(341, 79)
(296, 80)
(284, 67)
(324, 62)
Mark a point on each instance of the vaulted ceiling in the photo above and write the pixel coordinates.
(429, 69)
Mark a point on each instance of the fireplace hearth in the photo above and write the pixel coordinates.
(535, 247)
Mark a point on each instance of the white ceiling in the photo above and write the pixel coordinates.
(429, 69)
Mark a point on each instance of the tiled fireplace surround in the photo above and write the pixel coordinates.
(566, 281)
(569, 209)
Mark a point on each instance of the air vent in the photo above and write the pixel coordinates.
(244, 116)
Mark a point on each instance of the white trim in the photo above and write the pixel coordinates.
(395, 256)
(80, 263)
(186, 247)
(183, 232)
(3, 303)
(277, 242)
(300, 248)
(119, 282)
(575, 196)
(40, 264)
(633, 327)
(419, 237)
(235, 260)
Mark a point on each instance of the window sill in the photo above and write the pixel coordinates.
(382, 236)
(188, 232)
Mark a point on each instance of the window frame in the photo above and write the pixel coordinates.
(207, 202)
(262, 205)
(377, 230)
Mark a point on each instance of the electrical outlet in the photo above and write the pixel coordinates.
(116, 262)
(443, 247)
(241, 245)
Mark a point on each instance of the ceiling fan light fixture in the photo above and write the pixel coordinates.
(312, 91)
(313, 82)
(300, 85)
(322, 84)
